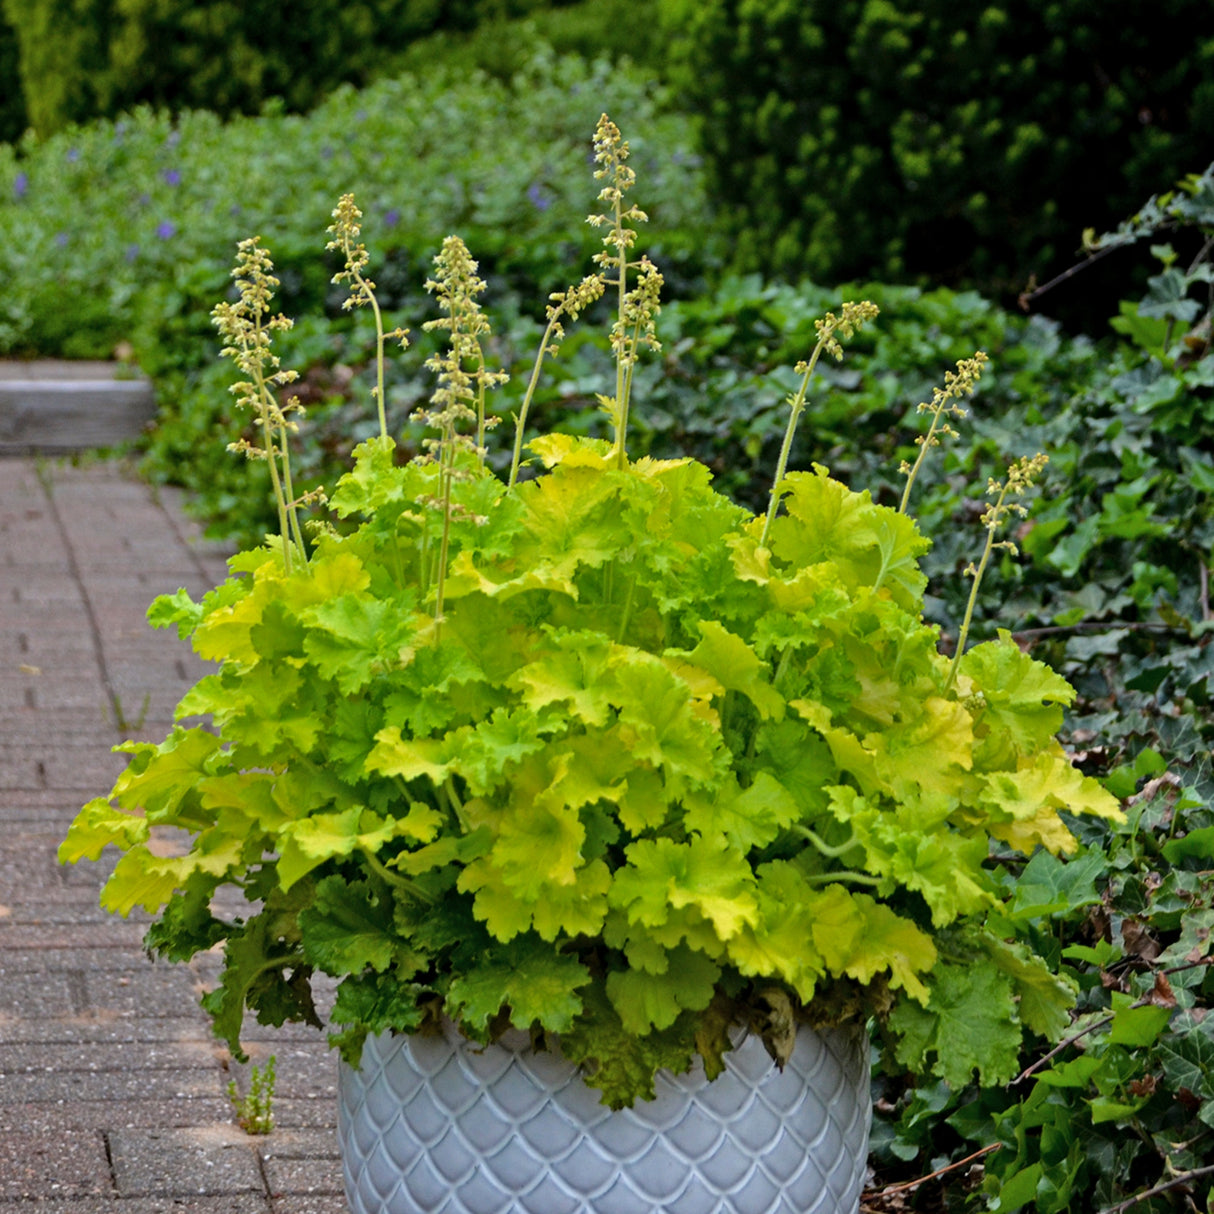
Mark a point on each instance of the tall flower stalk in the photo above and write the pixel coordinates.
(463, 381)
(943, 405)
(1020, 478)
(346, 230)
(247, 327)
(570, 304)
(854, 315)
(635, 309)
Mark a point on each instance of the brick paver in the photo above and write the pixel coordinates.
(112, 1089)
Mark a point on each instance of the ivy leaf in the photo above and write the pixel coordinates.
(646, 1001)
(1050, 886)
(537, 983)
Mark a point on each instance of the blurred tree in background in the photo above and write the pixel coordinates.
(968, 144)
(82, 59)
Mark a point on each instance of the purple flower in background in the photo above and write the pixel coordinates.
(172, 176)
(172, 139)
(392, 218)
(61, 239)
(326, 153)
(21, 185)
(540, 198)
(132, 252)
(73, 154)
(166, 230)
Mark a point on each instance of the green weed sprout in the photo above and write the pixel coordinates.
(255, 1112)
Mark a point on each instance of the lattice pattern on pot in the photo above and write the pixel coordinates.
(431, 1124)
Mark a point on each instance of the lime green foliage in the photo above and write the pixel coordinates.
(967, 144)
(255, 1111)
(600, 753)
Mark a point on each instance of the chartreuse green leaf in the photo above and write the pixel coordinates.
(870, 545)
(748, 817)
(645, 1000)
(944, 867)
(537, 983)
(409, 758)
(737, 668)
(657, 722)
(662, 875)
(571, 674)
(1023, 804)
(158, 778)
(352, 637)
(1045, 999)
(177, 609)
(969, 1024)
(1023, 699)
(97, 825)
(308, 842)
(575, 908)
(142, 878)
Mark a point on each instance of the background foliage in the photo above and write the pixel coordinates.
(119, 234)
(964, 144)
(84, 59)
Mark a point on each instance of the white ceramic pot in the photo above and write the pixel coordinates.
(436, 1125)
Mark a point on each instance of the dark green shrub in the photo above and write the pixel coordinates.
(12, 101)
(81, 59)
(963, 144)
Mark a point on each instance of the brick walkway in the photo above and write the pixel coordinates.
(112, 1089)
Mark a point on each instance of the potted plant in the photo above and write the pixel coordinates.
(591, 768)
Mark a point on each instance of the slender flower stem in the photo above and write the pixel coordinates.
(852, 316)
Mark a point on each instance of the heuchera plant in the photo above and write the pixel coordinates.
(594, 752)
